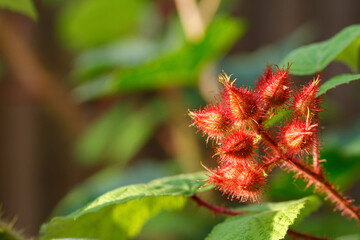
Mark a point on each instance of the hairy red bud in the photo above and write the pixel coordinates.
(211, 120)
(239, 182)
(299, 136)
(236, 147)
(273, 88)
(306, 99)
(240, 102)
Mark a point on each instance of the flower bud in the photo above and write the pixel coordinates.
(211, 120)
(240, 102)
(237, 147)
(273, 88)
(239, 182)
(306, 99)
(299, 136)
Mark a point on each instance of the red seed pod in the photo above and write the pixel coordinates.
(239, 182)
(306, 99)
(240, 102)
(212, 121)
(299, 136)
(237, 147)
(273, 88)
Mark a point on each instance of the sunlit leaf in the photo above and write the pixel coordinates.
(111, 178)
(121, 213)
(266, 221)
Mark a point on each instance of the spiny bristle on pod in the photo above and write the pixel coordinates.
(327, 191)
(239, 182)
(307, 99)
(241, 103)
(211, 121)
(273, 87)
(298, 136)
(237, 146)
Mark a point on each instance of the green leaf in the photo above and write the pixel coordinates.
(121, 213)
(111, 178)
(315, 57)
(349, 237)
(178, 68)
(91, 23)
(121, 132)
(336, 81)
(350, 55)
(25, 7)
(266, 221)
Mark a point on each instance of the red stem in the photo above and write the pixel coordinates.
(218, 209)
(215, 209)
(323, 185)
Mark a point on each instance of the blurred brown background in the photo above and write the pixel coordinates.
(39, 120)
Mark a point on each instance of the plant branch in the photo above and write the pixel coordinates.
(214, 208)
(322, 185)
(316, 178)
(221, 210)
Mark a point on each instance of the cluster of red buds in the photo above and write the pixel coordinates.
(247, 150)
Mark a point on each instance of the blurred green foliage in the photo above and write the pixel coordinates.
(175, 68)
(121, 132)
(91, 23)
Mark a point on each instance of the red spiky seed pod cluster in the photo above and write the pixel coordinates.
(245, 147)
